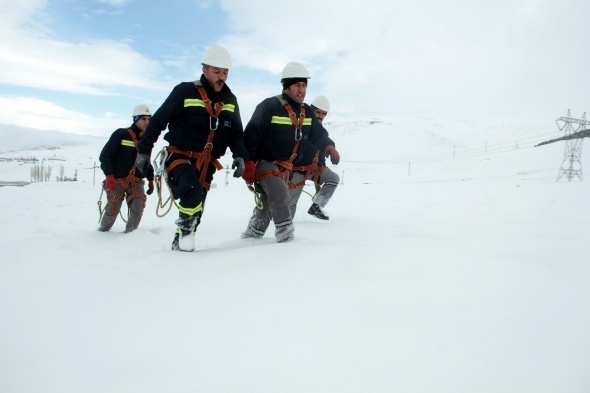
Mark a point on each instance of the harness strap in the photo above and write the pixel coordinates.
(200, 160)
(133, 138)
(316, 177)
(285, 166)
(308, 169)
(196, 160)
(125, 182)
(129, 179)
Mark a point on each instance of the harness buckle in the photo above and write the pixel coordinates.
(160, 161)
(211, 123)
(298, 134)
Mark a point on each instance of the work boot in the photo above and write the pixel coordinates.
(175, 242)
(186, 241)
(285, 233)
(287, 239)
(316, 211)
(251, 233)
(183, 241)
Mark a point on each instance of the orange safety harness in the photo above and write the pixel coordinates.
(127, 180)
(311, 169)
(200, 160)
(286, 166)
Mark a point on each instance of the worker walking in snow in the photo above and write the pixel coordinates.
(282, 133)
(123, 180)
(324, 178)
(203, 120)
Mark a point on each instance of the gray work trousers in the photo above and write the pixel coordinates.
(112, 209)
(327, 182)
(274, 196)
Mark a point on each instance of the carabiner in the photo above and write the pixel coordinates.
(216, 123)
(160, 162)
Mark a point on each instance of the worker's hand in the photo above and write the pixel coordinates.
(141, 162)
(238, 165)
(110, 183)
(150, 187)
(249, 174)
(333, 154)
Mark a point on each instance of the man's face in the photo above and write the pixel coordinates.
(296, 92)
(215, 76)
(142, 124)
(320, 114)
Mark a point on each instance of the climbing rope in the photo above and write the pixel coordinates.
(169, 201)
(101, 210)
(257, 199)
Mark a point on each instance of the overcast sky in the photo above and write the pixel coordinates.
(81, 66)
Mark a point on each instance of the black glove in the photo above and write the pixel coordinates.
(150, 187)
(141, 162)
(239, 164)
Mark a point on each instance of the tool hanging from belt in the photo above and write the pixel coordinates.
(201, 160)
(285, 166)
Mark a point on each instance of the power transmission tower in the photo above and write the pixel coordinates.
(571, 165)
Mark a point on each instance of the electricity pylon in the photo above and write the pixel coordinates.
(571, 165)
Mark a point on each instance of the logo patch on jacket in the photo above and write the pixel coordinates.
(227, 123)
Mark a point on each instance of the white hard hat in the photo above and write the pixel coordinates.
(322, 103)
(295, 70)
(217, 56)
(141, 110)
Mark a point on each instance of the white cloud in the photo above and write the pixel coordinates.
(115, 3)
(32, 112)
(508, 60)
(97, 67)
(455, 57)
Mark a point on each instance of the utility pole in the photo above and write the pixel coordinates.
(571, 164)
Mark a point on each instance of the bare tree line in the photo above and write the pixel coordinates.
(42, 173)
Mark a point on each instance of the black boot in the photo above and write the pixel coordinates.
(175, 242)
(316, 211)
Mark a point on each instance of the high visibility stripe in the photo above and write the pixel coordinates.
(190, 211)
(193, 102)
(280, 120)
(229, 107)
(196, 102)
(127, 142)
(287, 121)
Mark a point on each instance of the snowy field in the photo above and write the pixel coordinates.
(453, 262)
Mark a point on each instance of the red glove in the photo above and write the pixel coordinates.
(333, 153)
(150, 188)
(110, 183)
(249, 174)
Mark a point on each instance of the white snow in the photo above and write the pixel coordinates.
(452, 262)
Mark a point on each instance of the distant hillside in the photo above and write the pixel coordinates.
(393, 136)
(15, 138)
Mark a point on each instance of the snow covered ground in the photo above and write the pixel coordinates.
(453, 262)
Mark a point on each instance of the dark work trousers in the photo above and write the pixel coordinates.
(185, 185)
